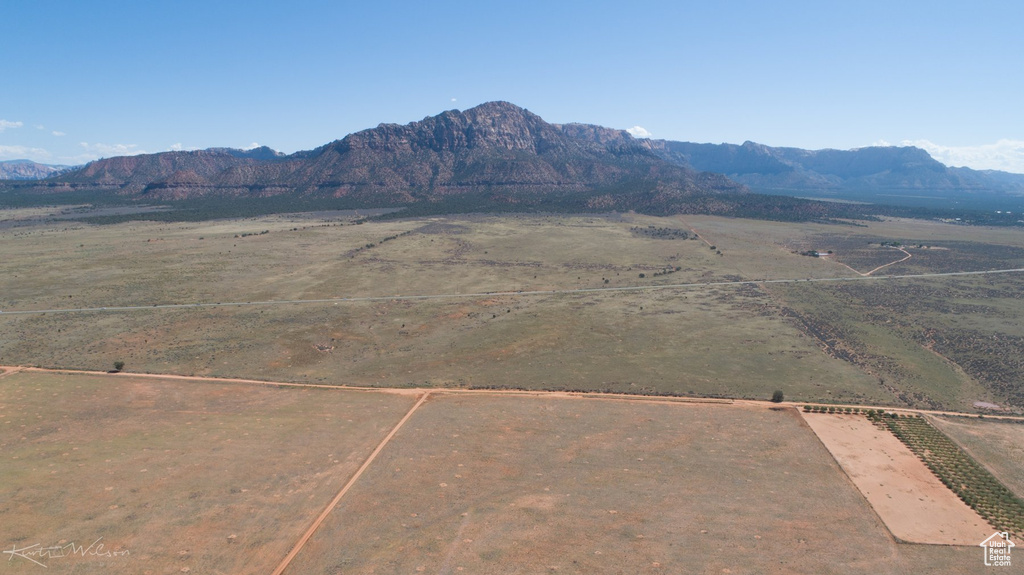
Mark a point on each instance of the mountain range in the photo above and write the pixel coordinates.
(867, 172)
(496, 149)
(29, 170)
(511, 156)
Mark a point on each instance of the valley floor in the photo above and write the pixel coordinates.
(229, 477)
(619, 303)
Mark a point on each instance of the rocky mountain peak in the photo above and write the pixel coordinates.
(598, 134)
(497, 151)
(497, 126)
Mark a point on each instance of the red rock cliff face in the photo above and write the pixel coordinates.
(496, 127)
(495, 148)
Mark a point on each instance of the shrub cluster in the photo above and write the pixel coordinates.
(247, 234)
(668, 270)
(373, 245)
(835, 409)
(660, 233)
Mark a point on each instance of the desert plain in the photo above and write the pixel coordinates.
(593, 390)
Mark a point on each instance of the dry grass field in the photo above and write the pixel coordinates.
(225, 478)
(213, 478)
(478, 484)
(936, 343)
(998, 445)
(943, 342)
(704, 341)
(902, 342)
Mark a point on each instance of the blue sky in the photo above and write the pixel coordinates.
(90, 79)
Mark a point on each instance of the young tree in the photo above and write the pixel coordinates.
(118, 365)
(777, 396)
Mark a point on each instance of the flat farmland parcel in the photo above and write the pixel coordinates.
(908, 497)
(226, 478)
(477, 483)
(212, 477)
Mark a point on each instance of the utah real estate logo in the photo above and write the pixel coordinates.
(997, 549)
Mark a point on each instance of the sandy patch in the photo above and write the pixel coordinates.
(907, 496)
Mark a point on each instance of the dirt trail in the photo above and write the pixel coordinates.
(394, 390)
(891, 263)
(597, 395)
(9, 370)
(337, 498)
(400, 391)
(694, 231)
(863, 274)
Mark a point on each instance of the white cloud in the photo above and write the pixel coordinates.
(639, 132)
(4, 124)
(179, 147)
(40, 127)
(77, 160)
(58, 133)
(453, 100)
(24, 153)
(1006, 155)
(96, 151)
(251, 146)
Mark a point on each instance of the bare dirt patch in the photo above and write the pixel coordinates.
(485, 483)
(914, 505)
(212, 477)
(225, 477)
